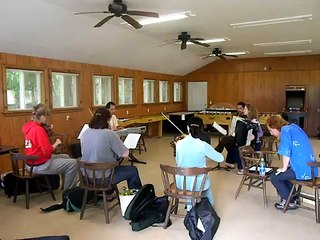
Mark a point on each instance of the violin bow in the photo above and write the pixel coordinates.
(90, 112)
(165, 116)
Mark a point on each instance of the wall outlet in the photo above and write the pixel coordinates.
(165, 108)
(148, 110)
(127, 112)
(210, 102)
(68, 118)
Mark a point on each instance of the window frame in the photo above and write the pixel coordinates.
(133, 91)
(154, 91)
(3, 71)
(112, 92)
(181, 92)
(79, 84)
(168, 92)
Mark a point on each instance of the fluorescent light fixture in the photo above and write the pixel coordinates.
(289, 52)
(213, 40)
(269, 44)
(166, 18)
(237, 53)
(272, 21)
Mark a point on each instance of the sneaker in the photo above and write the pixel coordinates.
(240, 172)
(281, 205)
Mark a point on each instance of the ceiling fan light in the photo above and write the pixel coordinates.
(272, 21)
(166, 18)
(215, 40)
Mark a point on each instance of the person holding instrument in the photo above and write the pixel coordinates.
(113, 122)
(37, 143)
(192, 152)
(100, 144)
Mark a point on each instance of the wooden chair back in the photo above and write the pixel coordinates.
(19, 162)
(169, 178)
(313, 166)
(89, 172)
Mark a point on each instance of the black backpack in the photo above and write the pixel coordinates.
(71, 200)
(145, 209)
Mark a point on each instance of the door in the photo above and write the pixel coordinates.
(197, 96)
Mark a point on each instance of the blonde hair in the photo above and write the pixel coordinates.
(40, 110)
(252, 112)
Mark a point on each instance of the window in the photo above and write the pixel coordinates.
(125, 90)
(177, 92)
(64, 90)
(23, 88)
(163, 91)
(148, 91)
(102, 92)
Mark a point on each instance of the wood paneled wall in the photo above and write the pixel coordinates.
(262, 82)
(10, 124)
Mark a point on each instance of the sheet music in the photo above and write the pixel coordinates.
(84, 128)
(219, 128)
(131, 140)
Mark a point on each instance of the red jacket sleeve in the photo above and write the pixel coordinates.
(43, 141)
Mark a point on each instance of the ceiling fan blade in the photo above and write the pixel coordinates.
(207, 56)
(79, 13)
(197, 39)
(176, 41)
(142, 13)
(183, 45)
(227, 55)
(221, 57)
(199, 43)
(103, 21)
(131, 21)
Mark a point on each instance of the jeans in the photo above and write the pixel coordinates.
(129, 173)
(60, 164)
(208, 194)
(282, 184)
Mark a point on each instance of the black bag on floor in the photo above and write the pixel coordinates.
(145, 209)
(71, 200)
(9, 182)
(204, 212)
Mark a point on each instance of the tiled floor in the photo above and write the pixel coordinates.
(244, 218)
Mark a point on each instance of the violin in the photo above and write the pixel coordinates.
(48, 128)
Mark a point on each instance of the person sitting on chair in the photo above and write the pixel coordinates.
(113, 122)
(37, 143)
(296, 151)
(192, 152)
(99, 144)
(252, 115)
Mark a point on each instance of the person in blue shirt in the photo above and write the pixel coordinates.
(192, 152)
(296, 151)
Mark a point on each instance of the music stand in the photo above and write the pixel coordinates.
(131, 142)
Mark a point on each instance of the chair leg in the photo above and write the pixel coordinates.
(317, 205)
(38, 185)
(16, 191)
(176, 205)
(143, 143)
(84, 202)
(105, 207)
(27, 194)
(166, 221)
(264, 186)
(289, 198)
(49, 188)
(240, 186)
(249, 185)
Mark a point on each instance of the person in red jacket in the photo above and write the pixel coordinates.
(37, 143)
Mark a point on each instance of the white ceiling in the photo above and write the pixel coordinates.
(49, 28)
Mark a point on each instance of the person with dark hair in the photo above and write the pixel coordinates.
(113, 122)
(240, 108)
(37, 143)
(296, 151)
(100, 144)
(192, 152)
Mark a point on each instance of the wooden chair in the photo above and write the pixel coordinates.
(100, 186)
(169, 175)
(314, 183)
(20, 160)
(250, 158)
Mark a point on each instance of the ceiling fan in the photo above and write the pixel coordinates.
(119, 9)
(218, 53)
(184, 38)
